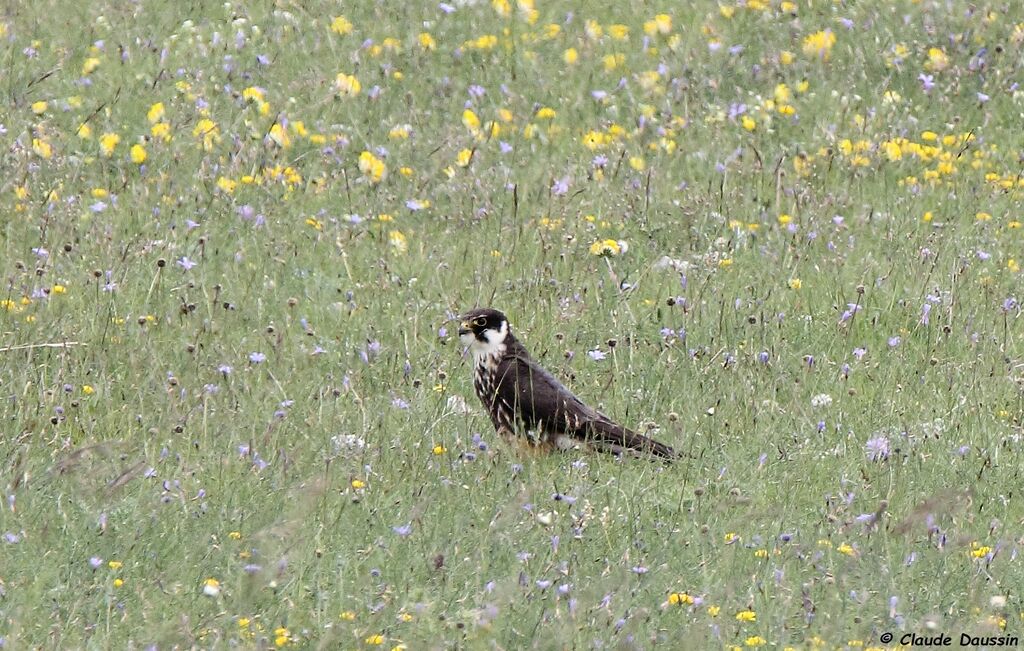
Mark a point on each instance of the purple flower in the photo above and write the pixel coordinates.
(877, 449)
(639, 569)
(859, 352)
(257, 357)
(403, 530)
(927, 81)
(851, 309)
(763, 357)
(596, 355)
(925, 311)
(95, 562)
(504, 147)
(1009, 304)
(894, 341)
(543, 584)
(398, 403)
(224, 369)
(561, 497)
(12, 538)
(185, 263)
(560, 186)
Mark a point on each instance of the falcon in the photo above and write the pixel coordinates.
(525, 402)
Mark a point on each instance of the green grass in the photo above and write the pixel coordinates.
(333, 487)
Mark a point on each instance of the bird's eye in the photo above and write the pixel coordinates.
(480, 321)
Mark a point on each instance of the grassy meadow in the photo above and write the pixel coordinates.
(783, 237)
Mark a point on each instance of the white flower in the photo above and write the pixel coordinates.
(821, 400)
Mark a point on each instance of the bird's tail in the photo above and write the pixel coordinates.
(607, 436)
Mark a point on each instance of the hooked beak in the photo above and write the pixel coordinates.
(464, 328)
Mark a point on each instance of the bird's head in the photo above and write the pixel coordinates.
(483, 330)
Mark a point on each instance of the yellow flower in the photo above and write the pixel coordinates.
(439, 449)
(679, 598)
(605, 248)
(819, 44)
(155, 113)
(88, 390)
(279, 136)
(161, 131)
(138, 154)
(730, 538)
(115, 565)
(748, 123)
(39, 107)
(937, 59)
(226, 185)
(662, 24)
(464, 158)
(725, 262)
(979, 551)
(341, 25)
(347, 615)
(58, 289)
(347, 85)
(211, 587)
(714, 610)
(427, 41)
(372, 167)
(637, 163)
(471, 121)
(755, 640)
(84, 131)
(570, 56)
(89, 65)
(358, 484)
(209, 131)
(375, 640)
(1012, 265)
(42, 148)
(243, 622)
(108, 142)
(746, 616)
(612, 61)
(545, 113)
(846, 549)
(982, 216)
(235, 535)
(118, 583)
(397, 240)
(795, 283)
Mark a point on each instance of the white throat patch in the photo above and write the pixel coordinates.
(490, 350)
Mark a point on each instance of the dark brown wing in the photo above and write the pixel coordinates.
(543, 403)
